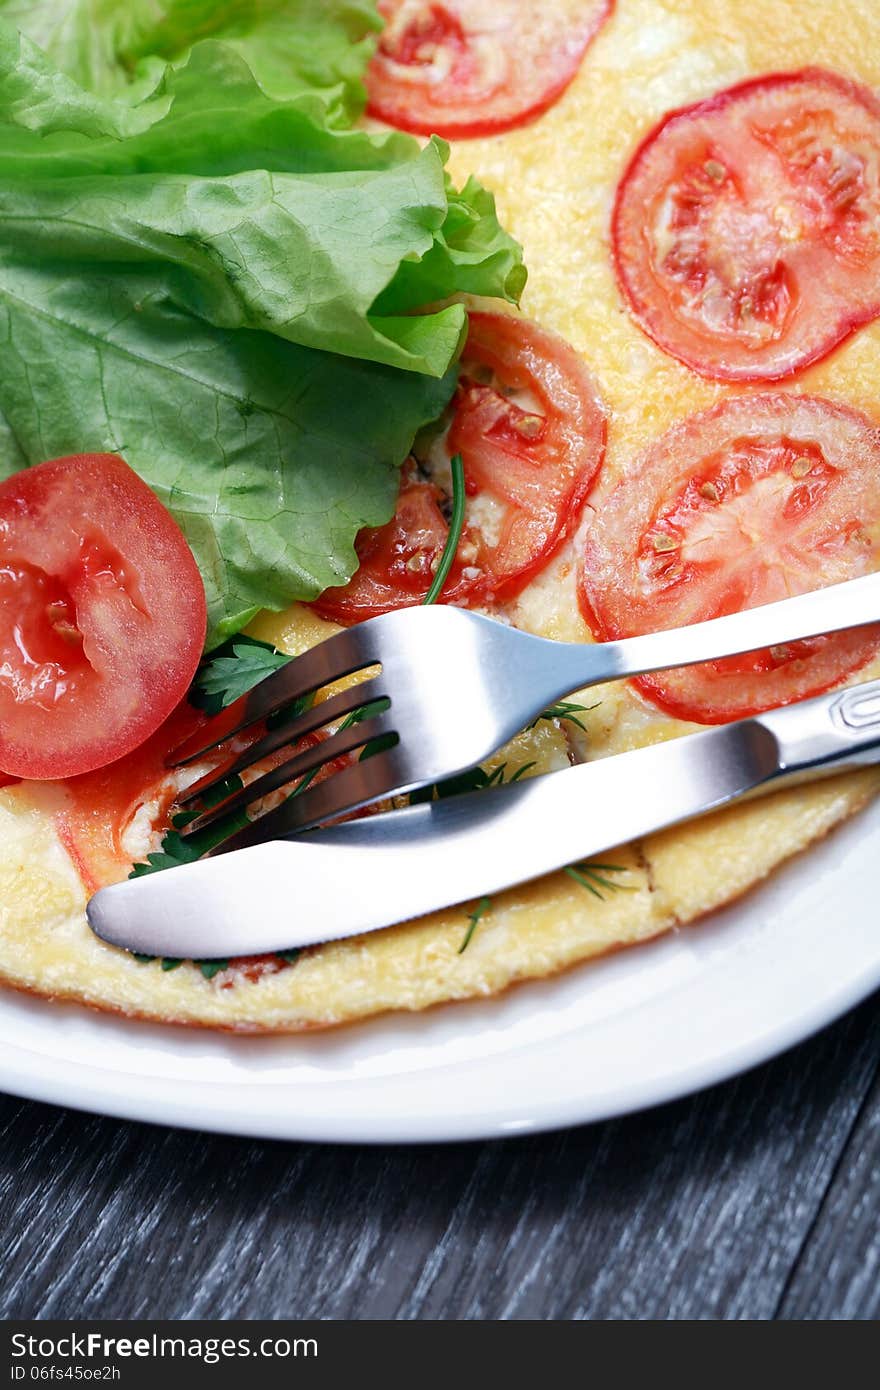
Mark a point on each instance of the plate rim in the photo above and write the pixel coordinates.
(188, 1113)
(844, 971)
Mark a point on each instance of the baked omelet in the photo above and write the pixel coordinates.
(554, 181)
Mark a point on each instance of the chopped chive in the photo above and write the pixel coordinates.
(473, 918)
(380, 744)
(456, 524)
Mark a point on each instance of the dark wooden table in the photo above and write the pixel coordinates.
(758, 1199)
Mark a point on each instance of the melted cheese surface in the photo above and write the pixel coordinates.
(554, 183)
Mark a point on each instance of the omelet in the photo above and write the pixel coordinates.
(554, 181)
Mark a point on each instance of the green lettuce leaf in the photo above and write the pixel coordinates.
(315, 49)
(231, 294)
(271, 456)
(268, 220)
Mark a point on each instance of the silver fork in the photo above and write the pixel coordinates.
(451, 687)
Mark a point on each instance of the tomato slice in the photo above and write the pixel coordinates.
(474, 67)
(97, 808)
(531, 430)
(102, 616)
(397, 561)
(746, 229)
(113, 817)
(756, 499)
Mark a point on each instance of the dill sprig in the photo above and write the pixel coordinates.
(520, 771)
(591, 875)
(476, 779)
(565, 710)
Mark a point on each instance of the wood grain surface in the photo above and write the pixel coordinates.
(758, 1199)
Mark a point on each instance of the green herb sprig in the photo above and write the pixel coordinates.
(456, 525)
(474, 917)
(592, 876)
(565, 710)
(232, 671)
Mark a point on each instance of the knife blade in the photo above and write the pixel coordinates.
(342, 880)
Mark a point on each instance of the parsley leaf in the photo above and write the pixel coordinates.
(233, 671)
(210, 968)
(175, 850)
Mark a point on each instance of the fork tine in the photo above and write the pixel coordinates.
(336, 746)
(347, 790)
(340, 655)
(327, 712)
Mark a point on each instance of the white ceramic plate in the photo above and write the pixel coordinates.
(642, 1027)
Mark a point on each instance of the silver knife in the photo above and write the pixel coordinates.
(342, 880)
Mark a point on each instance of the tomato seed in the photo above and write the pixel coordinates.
(529, 426)
(663, 544)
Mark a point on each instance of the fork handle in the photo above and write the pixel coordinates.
(854, 603)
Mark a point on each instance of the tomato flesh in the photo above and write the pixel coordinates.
(746, 228)
(396, 561)
(102, 616)
(757, 499)
(528, 470)
(98, 807)
(462, 69)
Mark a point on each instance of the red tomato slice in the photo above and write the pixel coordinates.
(102, 616)
(96, 810)
(756, 499)
(528, 465)
(397, 561)
(746, 229)
(473, 67)
(98, 807)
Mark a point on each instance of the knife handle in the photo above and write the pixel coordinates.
(827, 734)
